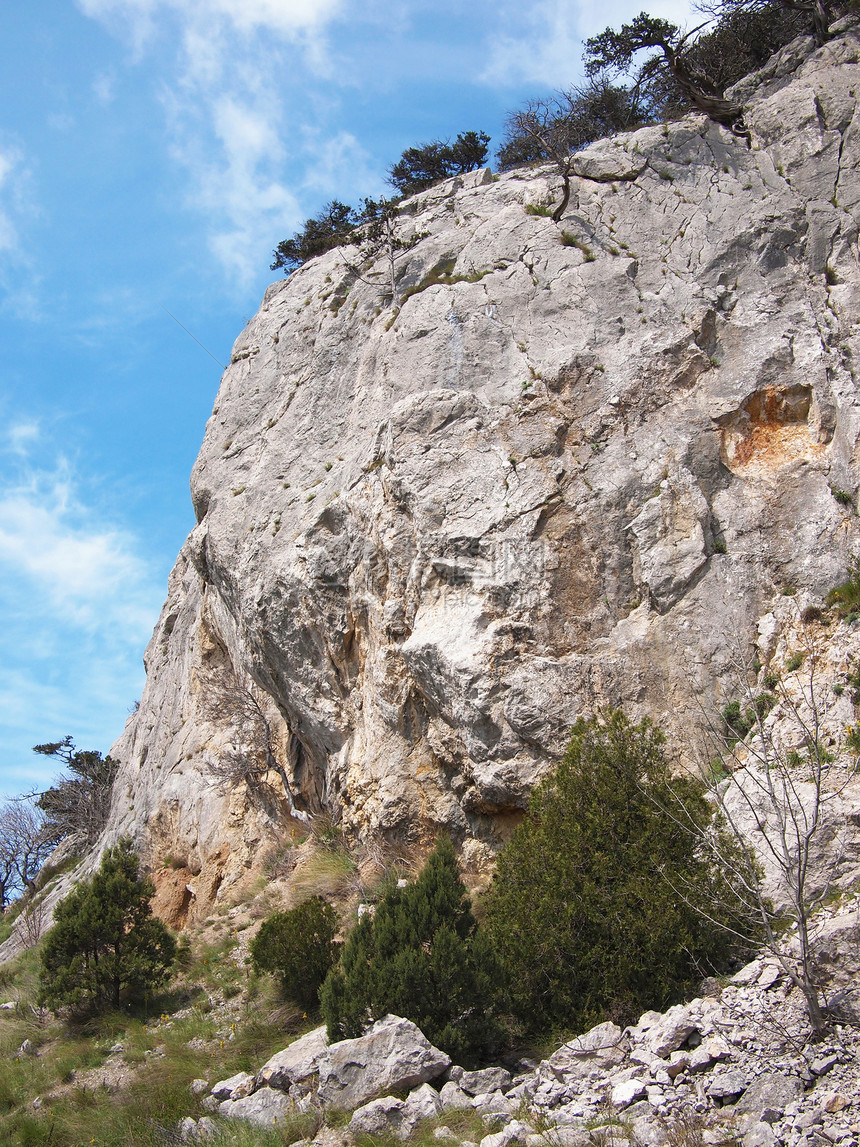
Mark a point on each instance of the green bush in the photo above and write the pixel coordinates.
(420, 956)
(738, 722)
(846, 597)
(420, 167)
(596, 910)
(106, 949)
(299, 948)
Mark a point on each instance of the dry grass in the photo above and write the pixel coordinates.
(328, 871)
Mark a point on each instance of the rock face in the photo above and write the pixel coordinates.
(576, 472)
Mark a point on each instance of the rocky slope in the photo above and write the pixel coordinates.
(732, 1067)
(577, 465)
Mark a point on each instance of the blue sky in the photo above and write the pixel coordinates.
(152, 154)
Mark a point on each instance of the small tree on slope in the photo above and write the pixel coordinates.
(299, 948)
(421, 957)
(106, 949)
(583, 912)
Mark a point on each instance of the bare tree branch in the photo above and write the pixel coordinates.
(237, 703)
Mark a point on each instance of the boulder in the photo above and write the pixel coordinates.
(649, 1132)
(423, 1103)
(236, 1087)
(600, 1048)
(296, 1063)
(607, 161)
(769, 1095)
(379, 1117)
(759, 1135)
(453, 1097)
(666, 1032)
(265, 1108)
(515, 1132)
(623, 1094)
(823, 1064)
(489, 1079)
(197, 1131)
(391, 1116)
(392, 1054)
(727, 1086)
(492, 1103)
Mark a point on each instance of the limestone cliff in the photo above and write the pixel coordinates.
(578, 465)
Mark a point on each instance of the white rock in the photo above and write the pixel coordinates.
(236, 1087)
(759, 1135)
(380, 1117)
(265, 1108)
(392, 1054)
(365, 549)
(296, 1063)
(423, 1103)
(670, 1031)
(453, 1097)
(492, 1101)
(488, 1079)
(623, 1094)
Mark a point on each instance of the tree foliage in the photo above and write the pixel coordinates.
(744, 38)
(299, 948)
(602, 906)
(674, 71)
(77, 804)
(421, 956)
(105, 949)
(811, 15)
(670, 59)
(321, 233)
(420, 167)
(25, 844)
(551, 129)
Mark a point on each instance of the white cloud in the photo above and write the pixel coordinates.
(283, 16)
(58, 557)
(77, 604)
(541, 43)
(238, 187)
(224, 97)
(11, 177)
(103, 88)
(21, 436)
(338, 154)
(19, 276)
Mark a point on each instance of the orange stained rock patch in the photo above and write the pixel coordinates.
(769, 431)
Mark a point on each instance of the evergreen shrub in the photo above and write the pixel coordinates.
(603, 905)
(423, 957)
(299, 948)
(106, 949)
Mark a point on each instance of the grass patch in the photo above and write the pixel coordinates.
(442, 273)
(845, 598)
(842, 496)
(158, 1064)
(568, 239)
(536, 209)
(328, 872)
